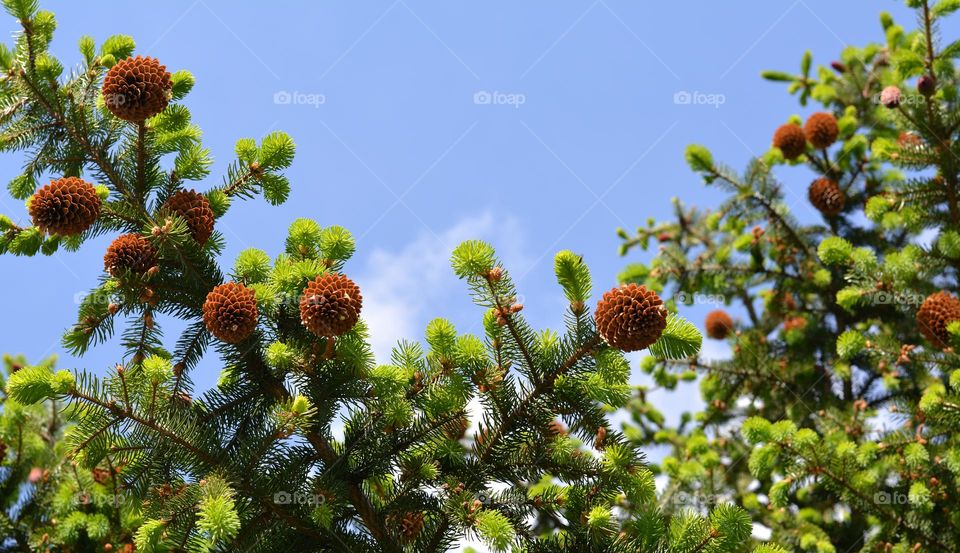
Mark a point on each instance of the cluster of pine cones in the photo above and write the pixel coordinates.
(820, 131)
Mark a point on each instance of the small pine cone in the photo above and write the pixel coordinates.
(909, 140)
(788, 302)
(890, 97)
(130, 253)
(794, 323)
(718, 324)
(600, 438)
(66, 206)
(137, 88)
(827, 196)
(194, 208)
(556, 428)
(330, 305)
(457, 429)
(631, 317)
(101, 476)
(935, 314)
(411, 525)
(821, 130)
(791, 140)
(927, 85)
(230, 312)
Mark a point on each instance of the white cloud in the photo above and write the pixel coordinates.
(404, 289)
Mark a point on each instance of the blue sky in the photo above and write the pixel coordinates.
(536, 125)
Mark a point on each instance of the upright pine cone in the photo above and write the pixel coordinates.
(137, 88)
(718, 324)
(66, 206)
(129, 253)
(631, 317)
(230, 312)
(935, 314)
(330, 305)
(791, 140)
(194, 208)
(821, 130)
(827, 196)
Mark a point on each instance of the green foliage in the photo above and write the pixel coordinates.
(472, 258)
(699, 158)
(306, 443)
(835, 251)
(850, 343)
(573, 275)
(679, 340)
(252, 266)
(47, 501)
(832, 421)
(34, 384)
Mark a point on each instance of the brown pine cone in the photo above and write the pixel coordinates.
(194, 208)
(794, 323)
(330, 305)
(137, 88)
(411, 526)
(718, 324)
(821, 130)
(791, 140)
(631, 317)
(66, 206)
(129, 253)
(935, 314)
(230, 312)
(827, 196)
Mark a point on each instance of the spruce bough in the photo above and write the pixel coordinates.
(834, 421)
(252, 464)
